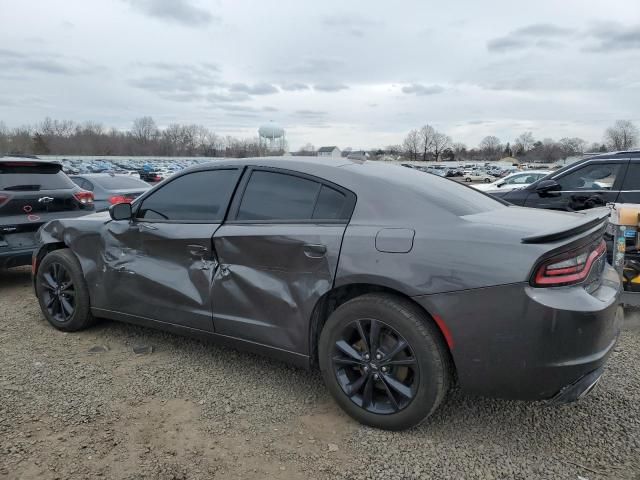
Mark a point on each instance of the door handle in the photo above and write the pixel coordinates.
(197, 250)
(315, 250)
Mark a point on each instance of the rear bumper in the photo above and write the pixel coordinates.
(579, 388)
(520, 342)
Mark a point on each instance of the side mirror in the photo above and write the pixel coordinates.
(500, 184)
(545, 186)
(121, 211)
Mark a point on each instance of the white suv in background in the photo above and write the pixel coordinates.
(513, 181)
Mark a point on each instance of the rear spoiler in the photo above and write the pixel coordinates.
(30, 163)
(576, 227)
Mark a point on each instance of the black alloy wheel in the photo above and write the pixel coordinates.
(62, 291)
(375, 367)
(59, 293)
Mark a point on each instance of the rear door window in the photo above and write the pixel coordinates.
(274, 196)
(200, 197)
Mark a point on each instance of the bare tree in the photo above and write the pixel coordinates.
(490, 147)
(623, 135)
(144, 129)
(440, 143)
(411, 145)
(523, 143)
(4, 138)
(20, 140)
(426, 135)
(572, 146)
(307, 150)
(459, 149)
(550, 151)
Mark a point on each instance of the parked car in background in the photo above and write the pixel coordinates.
(109, 189)
(477, 176)
(512, 181)
(391, 280)
(32, 192)
(591, 182)
(149, 176)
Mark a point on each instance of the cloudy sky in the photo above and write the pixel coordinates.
(350, 73)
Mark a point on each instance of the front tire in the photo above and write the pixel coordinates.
(384, 361)
(62, 291)
(467, 179)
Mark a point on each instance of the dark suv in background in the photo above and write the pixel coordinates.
(32, 192)
(588, 183)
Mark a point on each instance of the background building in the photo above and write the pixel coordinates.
(331, 151)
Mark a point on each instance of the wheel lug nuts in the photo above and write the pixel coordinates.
(375, 376)
(366, 356)
(378, 356)
(384, 369)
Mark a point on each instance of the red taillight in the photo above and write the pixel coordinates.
(3, 199)
(119, 199)
(570, 267)
(84, 197)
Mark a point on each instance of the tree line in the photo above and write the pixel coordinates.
(426, 143)
(65, 137)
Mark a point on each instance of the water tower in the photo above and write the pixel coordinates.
(272, 136)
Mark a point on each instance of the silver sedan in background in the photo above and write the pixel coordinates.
(110, 189)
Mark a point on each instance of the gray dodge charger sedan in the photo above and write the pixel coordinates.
(395, 282)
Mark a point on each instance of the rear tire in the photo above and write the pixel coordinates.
(467, 179)
(62, 291)
(381, 382)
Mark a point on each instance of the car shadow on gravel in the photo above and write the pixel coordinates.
(15, 277)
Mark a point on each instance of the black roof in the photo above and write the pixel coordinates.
(327, 149)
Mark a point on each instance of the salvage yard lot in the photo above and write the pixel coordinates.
(192, 410)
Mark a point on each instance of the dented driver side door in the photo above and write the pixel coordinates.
(162, 263)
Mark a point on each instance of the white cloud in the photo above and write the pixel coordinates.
(485, 69)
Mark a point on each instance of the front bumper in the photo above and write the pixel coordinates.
(16, 257)
(520, 342)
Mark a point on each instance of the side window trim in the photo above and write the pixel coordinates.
(234, 208)
(141, 199)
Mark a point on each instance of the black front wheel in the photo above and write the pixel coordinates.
(384, 361)
(62, 291)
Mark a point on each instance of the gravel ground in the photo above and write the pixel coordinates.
(191, 410)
